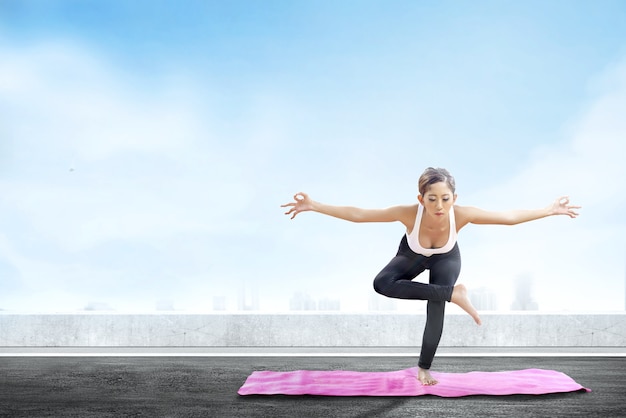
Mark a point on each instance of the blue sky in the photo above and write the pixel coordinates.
(145, 146)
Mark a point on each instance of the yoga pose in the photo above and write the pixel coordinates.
(430, 243)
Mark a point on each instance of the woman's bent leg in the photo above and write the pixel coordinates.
(395, 280)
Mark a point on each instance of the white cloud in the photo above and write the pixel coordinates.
(106, 157)
(98, 160)
(77, 103)
(576, 264)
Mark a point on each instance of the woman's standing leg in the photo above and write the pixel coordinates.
(444, 271)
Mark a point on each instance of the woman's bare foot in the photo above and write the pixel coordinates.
(424, 376)
(460, 298)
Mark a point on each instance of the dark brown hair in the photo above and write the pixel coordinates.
(435, 175)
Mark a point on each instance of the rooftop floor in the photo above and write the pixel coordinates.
(190, 383)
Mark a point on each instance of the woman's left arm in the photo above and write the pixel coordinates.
(467, 214)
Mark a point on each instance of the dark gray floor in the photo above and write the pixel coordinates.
(207, 387)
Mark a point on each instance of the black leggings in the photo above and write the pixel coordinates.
(395, 281)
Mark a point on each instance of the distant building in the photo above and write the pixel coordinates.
(329, 305)
(378, 302)
(219, 303)
(248, 299)
(98, 306)
(483, 299)
(302, 302)
(165, 305)
(523, 300)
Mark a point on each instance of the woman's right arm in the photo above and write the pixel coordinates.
(302, 203)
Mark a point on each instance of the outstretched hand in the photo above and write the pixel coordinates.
(561, 206)
(301, 203)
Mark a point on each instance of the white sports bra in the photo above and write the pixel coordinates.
(413, 237)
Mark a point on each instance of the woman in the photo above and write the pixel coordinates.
(430, 243)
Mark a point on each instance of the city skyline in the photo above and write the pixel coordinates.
(247, 300)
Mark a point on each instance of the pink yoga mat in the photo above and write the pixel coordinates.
(405, 383)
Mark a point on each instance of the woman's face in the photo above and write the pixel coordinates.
(438, 199)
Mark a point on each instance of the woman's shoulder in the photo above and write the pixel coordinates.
(407, 214)
(463, 215)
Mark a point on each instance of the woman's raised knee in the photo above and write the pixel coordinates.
(382, 284)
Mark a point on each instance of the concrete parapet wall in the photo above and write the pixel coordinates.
(307, 330)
